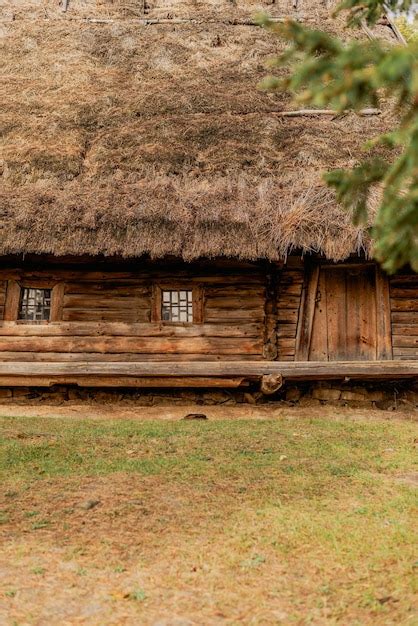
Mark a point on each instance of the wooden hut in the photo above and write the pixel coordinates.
(164, 222)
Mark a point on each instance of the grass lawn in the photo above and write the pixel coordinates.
(291, 521)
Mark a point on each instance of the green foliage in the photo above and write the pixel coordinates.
(324, 72)
(409, 31)
(372, 10)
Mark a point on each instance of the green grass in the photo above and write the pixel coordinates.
(318, 516)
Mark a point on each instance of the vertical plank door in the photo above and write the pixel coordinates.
(347, 316)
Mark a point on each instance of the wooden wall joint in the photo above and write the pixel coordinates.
(384, 349)
(270, 348)
(57, 302)
(11, 309)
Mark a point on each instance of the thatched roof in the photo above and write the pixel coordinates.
(126, 137)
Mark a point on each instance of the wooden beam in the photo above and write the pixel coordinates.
(307, 312)
(124, 381)
(126, 329)
(57, 302)
(11, 309)
(270, 314)
(383, 318)
(270, 383)
(310, 370)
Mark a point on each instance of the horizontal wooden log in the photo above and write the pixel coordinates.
(286, 330)
(287, 342)
(123, 381)
(234, 315)
(234, 291)
(302, 370)
(405, 329)
(287, 316)
(403, 279)
(106, 315)
(105, 301)
(411, 352)
(138, 345)
(286, 355)
(404, 304)
(293, 289)
(243, 277)
(115, 288)
(231, 303)
(289, 302)
(405, 341)
(69, 357)
(115, 329)
(403, 317)
(405, 291)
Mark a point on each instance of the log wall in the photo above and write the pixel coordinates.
(106, 315)
(404, 316)
(288, 307)
(250, 312)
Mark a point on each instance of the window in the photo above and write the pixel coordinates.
(35, 304)
(177, 305)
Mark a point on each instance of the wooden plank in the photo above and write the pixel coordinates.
(403, 317)
(270, 313)
(198, 304)
(115, 288)
(289, 302)
(404, 304)
(306, 313)
(122, 381)
(11, 308)
(246, 369)
(402, 280)
(337, 296)
(383, 318)
(409, 341)
(138, 345)
(231, 303)
(361, 322)
(123, 357)
(57, 302)
(105, 301)
(146, 329)
(411, 351)
(318, 348)
(405, 329)
(234, 315)
(287, 316)
(406, 291)
(292, 289)
(286, 330)
(254, 291)
(132, 315)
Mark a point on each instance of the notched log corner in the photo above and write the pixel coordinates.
(270, 383)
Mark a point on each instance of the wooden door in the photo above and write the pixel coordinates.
(346, 315)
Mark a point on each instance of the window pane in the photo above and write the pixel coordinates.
(177, 306)
(35, 304)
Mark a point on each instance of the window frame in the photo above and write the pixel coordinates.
(14, 294)
(197, 302)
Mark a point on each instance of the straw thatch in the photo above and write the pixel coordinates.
(127, 138)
